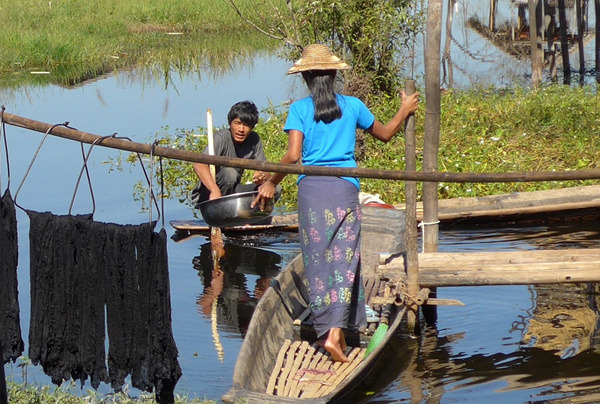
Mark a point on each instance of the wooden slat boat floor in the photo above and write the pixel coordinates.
(307, 371)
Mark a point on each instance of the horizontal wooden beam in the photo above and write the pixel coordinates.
(120, 143)
(527, 267)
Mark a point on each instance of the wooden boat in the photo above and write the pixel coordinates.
(278, 223)
(575, 203)
(279, 360)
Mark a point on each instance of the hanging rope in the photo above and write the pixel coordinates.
(422, 225)
(3, 128)
(66, 125)
(151, 195)
(162, 185)
(85, 167)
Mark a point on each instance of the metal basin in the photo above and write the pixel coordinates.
(234, 210)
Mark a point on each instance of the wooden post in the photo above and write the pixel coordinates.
(536, 43)
(430, 226)
(564, 42)
(432, 124)
(597, 41)
(580, 44)
(492, 17)
(551, 45)
(448, 70)
(412, 253)
(216, 239)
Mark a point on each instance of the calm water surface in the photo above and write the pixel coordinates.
(508, 344)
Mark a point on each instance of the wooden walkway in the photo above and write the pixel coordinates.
(525, 267)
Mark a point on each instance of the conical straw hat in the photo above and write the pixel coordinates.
(318, 57)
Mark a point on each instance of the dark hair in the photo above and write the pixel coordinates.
(246, 111)
(320, 84)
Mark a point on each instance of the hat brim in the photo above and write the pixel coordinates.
(304, 67)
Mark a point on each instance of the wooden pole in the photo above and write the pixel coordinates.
(536, 43)
(597, 41)
(216, 240)
(493, 7)
(430, 223)
(564, 41)
(448, 68)
(551, 45)
(412, 263)
(183, 155)
(432, 123)
(580, 44)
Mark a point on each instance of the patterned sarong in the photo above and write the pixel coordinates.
(329, 224)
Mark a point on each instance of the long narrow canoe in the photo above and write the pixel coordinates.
(536, 206)
(279, 360)
(575, 203)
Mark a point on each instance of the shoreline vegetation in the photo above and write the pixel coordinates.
(482, 130)
(67, 42)
(33, 394)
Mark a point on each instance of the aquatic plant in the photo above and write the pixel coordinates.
(482, 130)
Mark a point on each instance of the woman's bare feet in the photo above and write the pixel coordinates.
(335, 344)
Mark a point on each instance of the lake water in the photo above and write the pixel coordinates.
(508, 344)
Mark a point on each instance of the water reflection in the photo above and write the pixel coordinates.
(440, 374)
(232, 285)
(564, 320)
(541, 235)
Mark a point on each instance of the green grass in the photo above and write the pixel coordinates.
(33, 394)
(74, 40)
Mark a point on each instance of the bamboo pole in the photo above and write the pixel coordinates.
(412, 267)
(183, 155)
(430, 223)
(432, 123)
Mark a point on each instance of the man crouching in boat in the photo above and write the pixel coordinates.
(322, 131)
(239, 140)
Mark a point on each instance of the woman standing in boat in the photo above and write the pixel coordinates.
(322, 131)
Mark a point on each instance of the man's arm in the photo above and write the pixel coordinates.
(203, 172)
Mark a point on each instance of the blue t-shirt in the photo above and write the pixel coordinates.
(332, 144)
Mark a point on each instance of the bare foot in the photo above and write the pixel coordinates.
(333, 345)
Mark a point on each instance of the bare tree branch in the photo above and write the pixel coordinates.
(283, 37)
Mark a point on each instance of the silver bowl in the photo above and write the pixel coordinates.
(234, 210)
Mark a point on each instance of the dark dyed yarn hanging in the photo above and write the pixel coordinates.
(66, 332)
(161, 350)
(77, 267)
(139, 313)
(11, 342)
(3, 392)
